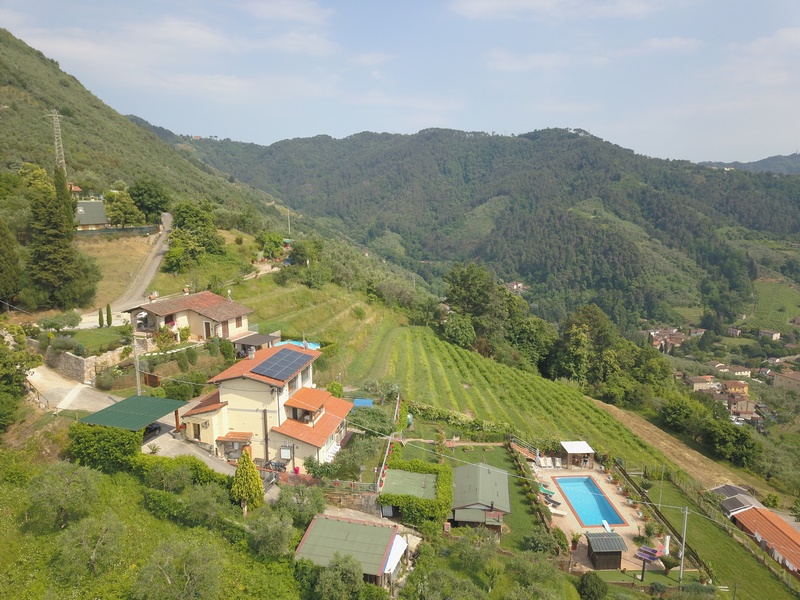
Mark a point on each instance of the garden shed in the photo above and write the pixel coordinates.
(577, 454)
(605, 550)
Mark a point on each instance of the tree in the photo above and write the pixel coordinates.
(342, 579)
(795, 509)
(334, 388)
(100, 322)
(108, 315)
(272, 535)
(10, 271)
(301, 503)
(494, 570)
(319, 470)
(591, 587)
(247, 488)
(93, 546)
(150, 197)
(270, 243)
(183, 567)
(123, 211)
(64, 490)
(458, 330)
(16, 361)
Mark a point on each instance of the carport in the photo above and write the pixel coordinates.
(135, 413)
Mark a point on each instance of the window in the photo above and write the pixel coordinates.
(238, 322)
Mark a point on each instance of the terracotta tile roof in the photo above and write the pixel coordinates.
(308, 399)
(208, 404)
(244, 366)
(207, 304)
(336, 410)
(243, 437)
(779, 535)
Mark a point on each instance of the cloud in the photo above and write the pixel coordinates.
(301, 42)
(769, 60)
(671, 45)
(502, 60)
(555, 9)
(302, 11)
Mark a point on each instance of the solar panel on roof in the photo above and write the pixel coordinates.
(282, 365)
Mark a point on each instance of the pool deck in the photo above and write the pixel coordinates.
(570, 523)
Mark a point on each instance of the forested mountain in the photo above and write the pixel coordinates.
(781, 165)
(574, 217)
(101, 147)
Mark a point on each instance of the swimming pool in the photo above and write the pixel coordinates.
(312, 345)
(589, 503)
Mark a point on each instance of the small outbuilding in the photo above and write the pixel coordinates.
(577, 454)
(605, 550)
(480, 496)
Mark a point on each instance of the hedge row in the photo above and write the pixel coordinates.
(416, 511)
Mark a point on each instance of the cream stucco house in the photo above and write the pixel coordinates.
(268, 402)
(205, 313)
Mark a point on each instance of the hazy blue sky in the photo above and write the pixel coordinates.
(694, 79)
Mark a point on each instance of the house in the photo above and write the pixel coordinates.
(480, 496)
(75, 191)
(268, 401)
(377, 547)
(789, 380)
(770, 334)
(735, 387)
(90, 215)
(697, 332)
(516, 287)
(205, 313)
(701, 382)
(734, 332)
(741, 406)
(774, 360)
(734, 499)
(605, 550)
(775, 536)
(739, 371)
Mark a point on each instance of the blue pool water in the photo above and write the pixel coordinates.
(312, 345)
(588, 502)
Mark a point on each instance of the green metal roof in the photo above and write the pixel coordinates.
(480, 484)
(91, 212)
(134, 413)
(420, 485)
(606, 542)
(369, 543)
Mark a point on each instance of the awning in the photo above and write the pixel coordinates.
(577, 447)
(399, 546)
(134, 413)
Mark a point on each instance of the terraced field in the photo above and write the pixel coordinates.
(777, 302)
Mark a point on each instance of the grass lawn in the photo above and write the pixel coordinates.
(730, 562)
(118, 258)
(92, 339)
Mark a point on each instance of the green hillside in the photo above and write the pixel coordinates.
(101, 146)
(576, 218)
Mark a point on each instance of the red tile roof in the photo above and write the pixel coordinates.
(336, 410)
(207, 304)
(244, 366)
(243, 437)
(778, 533)
(308, 399)
(208, 404)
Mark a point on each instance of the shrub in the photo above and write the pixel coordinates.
(657, 588)
(213, 347)
(178, 390)
(104, 380)
(191, 355)
(44, 341)
(107, 449)
(591, 587)
(227, 350)
(165, 505)
(183, 362)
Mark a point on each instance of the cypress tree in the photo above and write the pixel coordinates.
(100, 318)
(108, 315)
(247, 487)
(9, 264)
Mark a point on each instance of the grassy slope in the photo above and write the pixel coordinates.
(777, 302)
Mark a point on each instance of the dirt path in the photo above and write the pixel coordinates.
(704, 470)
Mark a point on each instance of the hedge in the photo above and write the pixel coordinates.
(416, 511)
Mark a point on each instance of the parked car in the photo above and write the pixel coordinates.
(152, 430)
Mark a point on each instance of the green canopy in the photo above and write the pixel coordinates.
(134, 413)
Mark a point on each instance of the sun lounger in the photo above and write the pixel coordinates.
(545, 491)
(558, 462)
(552, 502)
(558, 513)
(548, 462)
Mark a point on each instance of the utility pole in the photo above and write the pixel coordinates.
(60, 163)
(661, 491)
(136, 366)
(683, 542)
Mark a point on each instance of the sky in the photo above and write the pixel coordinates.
(682, 79)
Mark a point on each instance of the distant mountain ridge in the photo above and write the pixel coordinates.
(575, 218)
(782, 165)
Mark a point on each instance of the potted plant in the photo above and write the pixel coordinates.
(576, 537)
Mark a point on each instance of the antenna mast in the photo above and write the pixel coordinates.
(60, 163)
